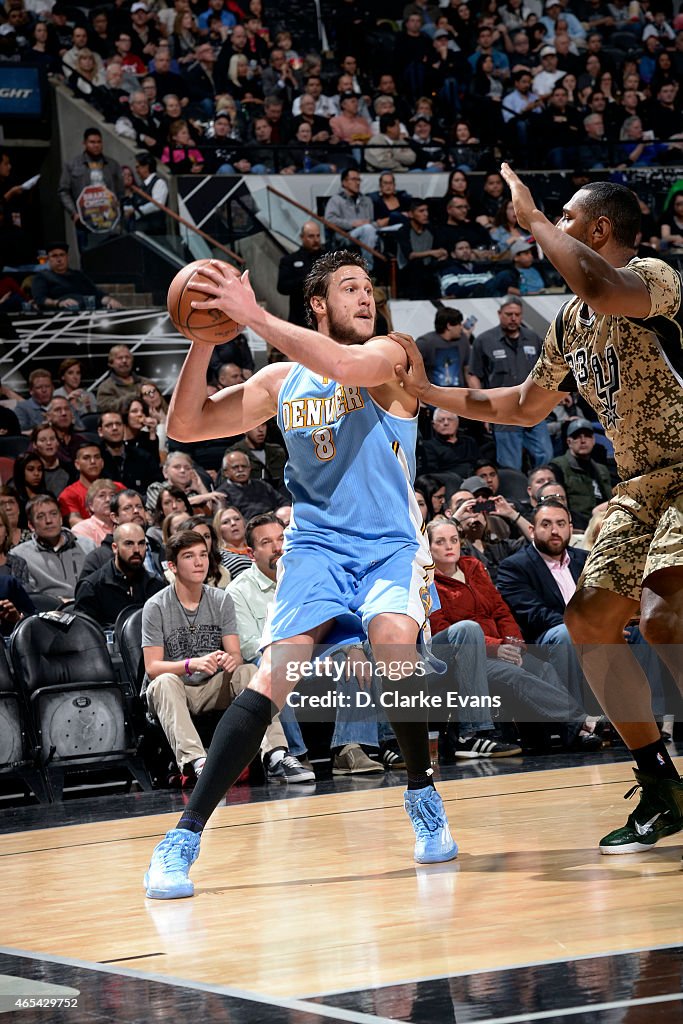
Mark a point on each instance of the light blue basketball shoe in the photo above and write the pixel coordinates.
(433, 839)
(167, 876)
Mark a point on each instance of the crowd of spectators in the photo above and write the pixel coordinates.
(102, 512)
(236, 88)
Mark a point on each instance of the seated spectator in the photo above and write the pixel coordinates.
(179, 471)
(521, 110)
(157, 409)
(467, 595)
(539, 581)
(488, 202)
(58, 287)
(267, 460)
(125, 507)
(243, 84)
(446, 451)
(230, 526)
(353, 212)
(506, 230)
(557, 490)
(16, 516)
(185, 38)
(181, 155)
(63, 420)
(53, 555)
(139, 428)
(57, 474)
(73, 499)
(466, 151)
(471, 514)
(121, 382)
(191, 650)
(251, 496)
(44, 50)
(140, 126)
(389, 205)
(305, 156)
(15, 604)
(28, 479)
(221, 150)
(228, 375)
(525, 277)
(430, 151)
(434, 494)
(459, 227)
(10, 563)
(348, 125)
(387, 150)
(217, 575)
(671, 225)
(637, 148)
(536, 478)
(120, 582)
(465, 276)
(79, 40)
(113, 97)
(32, 411)
(595, 151)
(586, 481)
(169, 499)
(99, 523)
(69, 372)
(486, 94)
(87, 78)
(419, 255)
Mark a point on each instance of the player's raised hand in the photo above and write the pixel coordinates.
(522, 199)
(414, 379)
(227, 291)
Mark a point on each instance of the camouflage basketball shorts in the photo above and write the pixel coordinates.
(642, 532)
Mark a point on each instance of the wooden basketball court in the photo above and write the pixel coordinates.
(313, 905)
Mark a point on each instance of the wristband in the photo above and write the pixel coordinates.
(518, 516)
(187, 667)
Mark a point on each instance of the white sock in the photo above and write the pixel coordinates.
(276, 756)
(198, 765)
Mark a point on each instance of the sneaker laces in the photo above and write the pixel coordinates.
(427, 819)
(177, 856)
(290, 761)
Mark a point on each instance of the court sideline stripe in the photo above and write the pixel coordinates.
(299, 1005)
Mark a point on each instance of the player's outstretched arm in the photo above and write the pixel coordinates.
(193, 416)
(607, 289)
(523, 405)
(369, 365)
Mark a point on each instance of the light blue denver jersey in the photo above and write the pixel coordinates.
(350, 471)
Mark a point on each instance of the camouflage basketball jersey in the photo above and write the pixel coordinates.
(629, 370)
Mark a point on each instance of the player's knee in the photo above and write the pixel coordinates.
(660, 624)
(590, 619)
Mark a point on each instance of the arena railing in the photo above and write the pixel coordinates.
(335, 229)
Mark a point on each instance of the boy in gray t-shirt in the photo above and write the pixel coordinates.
(192, 653)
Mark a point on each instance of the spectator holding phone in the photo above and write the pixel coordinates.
(476, 517)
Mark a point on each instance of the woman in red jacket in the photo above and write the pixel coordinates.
(493, 654)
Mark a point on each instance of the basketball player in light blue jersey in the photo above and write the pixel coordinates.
(355, 542)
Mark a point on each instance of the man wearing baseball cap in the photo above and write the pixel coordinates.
(586, 481)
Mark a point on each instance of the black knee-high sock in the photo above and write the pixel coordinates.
(412, 736)
(235, 743)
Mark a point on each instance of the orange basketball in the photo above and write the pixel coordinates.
(210, 325)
